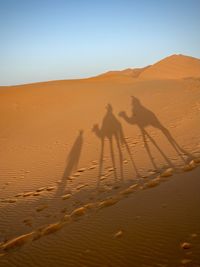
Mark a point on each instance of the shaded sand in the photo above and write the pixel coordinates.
(152, 232)
(102, 171)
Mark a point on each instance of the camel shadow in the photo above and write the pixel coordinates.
(143, 117)
(111, 129)
(72, 163)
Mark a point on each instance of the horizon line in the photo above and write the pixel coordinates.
(90, 77)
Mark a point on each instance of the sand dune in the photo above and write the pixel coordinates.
(172, 67)
(102, 171)
(133, 73)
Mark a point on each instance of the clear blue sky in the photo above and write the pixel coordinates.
(60, 39)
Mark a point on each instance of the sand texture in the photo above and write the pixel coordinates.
(102, 171)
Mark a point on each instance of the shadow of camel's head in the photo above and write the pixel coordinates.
(95, 127)
(81, 132)
(135, 101)
(109, 108)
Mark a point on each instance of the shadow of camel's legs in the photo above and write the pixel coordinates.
(101, 162)
(131, 158)
(120, 159)
(173, 143)
(113, 158)
(147, 148)
(161, 152)
(61, 187)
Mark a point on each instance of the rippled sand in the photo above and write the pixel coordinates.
(100, 172)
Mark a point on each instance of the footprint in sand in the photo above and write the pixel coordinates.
(154, 182)
(92, 167)
(76, 174)
(186, 261)
(41, 189)
(41, 208)
(81, 186)
(28, 194)
(108, 174)
(36, 194)
(108, 202)
(52, 228)
(67, 196)
(167, 173)
(81, 170)
(118, 234)
(129, 190)
(194, 235)
(12, 200)
(17, 242)
(28, 222)
(50, 188)
(190, 166)
(185, 245)
(19, 195)
(78, 212)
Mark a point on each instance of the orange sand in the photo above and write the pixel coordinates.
(102, 171)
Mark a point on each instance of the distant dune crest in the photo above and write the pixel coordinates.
(134, 73)
(172, 67)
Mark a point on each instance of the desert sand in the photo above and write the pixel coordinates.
(102, 171)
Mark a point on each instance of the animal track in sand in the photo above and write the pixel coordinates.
(152, 183)
(192, 164)
(50, 188)
(40, 189)
(92, 167)
(81, 170)
(19, 195)
(12, 200)
(103, 177)
(28, 194)
(36, 194)
(43, 189)
(76, 174)
(81, 186)
(41, 208)
(118, 234)
(28, 222)
(164, 174)
(78, 213)
(67, 196)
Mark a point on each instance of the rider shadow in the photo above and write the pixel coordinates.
(111, 129)
(72, 163)
(143, 117)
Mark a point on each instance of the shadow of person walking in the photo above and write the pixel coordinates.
(143, 117)
(72, 163)
(112, 130)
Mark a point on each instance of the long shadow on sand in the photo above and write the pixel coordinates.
(72, 163)
(143, 117)
(112, 130)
